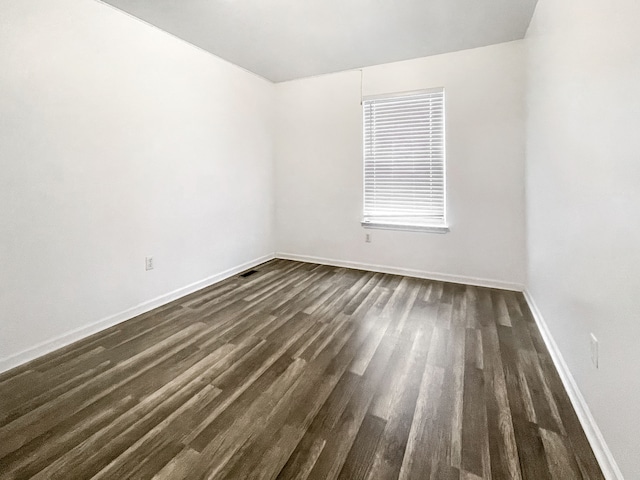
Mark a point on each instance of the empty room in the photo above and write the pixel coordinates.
(243, 239)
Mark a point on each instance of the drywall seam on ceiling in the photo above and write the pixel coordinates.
(600, 448)
(83, 332)
(442, 277)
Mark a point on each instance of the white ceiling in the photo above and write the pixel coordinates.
(287, 39)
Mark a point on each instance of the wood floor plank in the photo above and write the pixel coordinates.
(362, 454)
(416, 464)
(296, 412)
(392, 446)
(301, 371)
(333, 455)
(502, 443)
(37, 454)
(561, 460)
(457, 343)
(475, 439)
(221, 448)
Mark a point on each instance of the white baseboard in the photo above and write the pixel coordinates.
(443, 277)
(600, 448)
(82, 332)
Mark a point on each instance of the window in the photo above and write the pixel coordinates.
(404, 161)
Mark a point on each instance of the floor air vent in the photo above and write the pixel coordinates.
(248, 273)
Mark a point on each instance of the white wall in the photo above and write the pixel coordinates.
(583, 196)
(319, 167)
(119, 141)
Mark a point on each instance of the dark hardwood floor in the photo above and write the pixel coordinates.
(301, 371)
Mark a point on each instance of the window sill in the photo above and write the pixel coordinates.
(407, 228)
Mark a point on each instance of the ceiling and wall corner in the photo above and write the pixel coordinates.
(287, 39)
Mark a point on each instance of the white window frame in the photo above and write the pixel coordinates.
(390, 221)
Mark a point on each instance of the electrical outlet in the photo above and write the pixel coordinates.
(148, 262)
(367, 237)
(594, 350)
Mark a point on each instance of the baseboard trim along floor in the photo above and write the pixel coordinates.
(600, 448)
(407, 272)
(80, 333)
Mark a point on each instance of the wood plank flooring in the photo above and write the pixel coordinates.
(301, 371)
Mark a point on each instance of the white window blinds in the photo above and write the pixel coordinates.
(404, 160)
